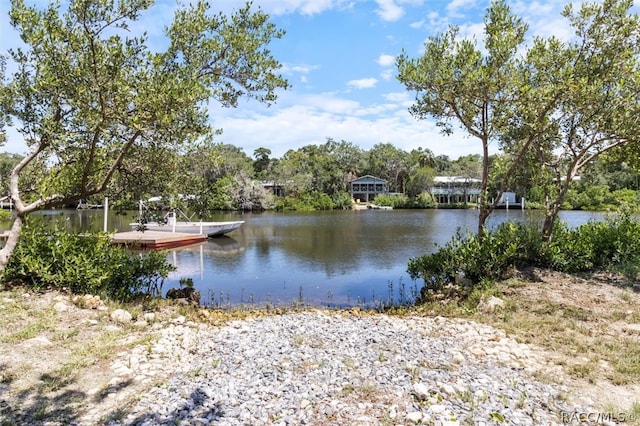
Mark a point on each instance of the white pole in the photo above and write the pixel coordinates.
(201, 261)
(106, 213)
(522, 203)
(507, 204)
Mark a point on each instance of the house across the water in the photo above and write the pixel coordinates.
(455, 190)
(367, 187)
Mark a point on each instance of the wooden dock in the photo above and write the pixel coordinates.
(156, 239)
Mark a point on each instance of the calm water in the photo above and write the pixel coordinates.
(320, 258)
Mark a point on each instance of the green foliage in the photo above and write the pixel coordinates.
(466, 255)
(424, 201)
(84, 264)
(397, 201)
(610, 245)
(600, 198)
(220, 195)
(342, 200)
(307, 202)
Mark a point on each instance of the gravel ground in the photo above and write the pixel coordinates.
(335, 368)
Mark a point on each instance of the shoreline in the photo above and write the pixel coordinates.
(79, 363)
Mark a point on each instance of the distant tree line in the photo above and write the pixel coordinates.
(315, 177)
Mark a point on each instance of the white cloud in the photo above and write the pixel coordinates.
(455, 6)
(363, 83)
(387, 74)
(284, 7)
(472, 31)
(300, 120)
(297, 69)
(386, 60)
(388, 10)
(417, 24)
(398, 97)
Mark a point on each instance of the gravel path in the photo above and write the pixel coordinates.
(330, 368)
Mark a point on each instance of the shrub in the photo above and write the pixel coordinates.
(83, 264)
(609, 245)
(397, 201)
(342, 200)
(306, 202)
(424, 201)
(596, 245)
(491, 257)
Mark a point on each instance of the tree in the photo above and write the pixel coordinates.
(389, 163)
(589, 92)
(598, 79)
(262, 161)
(7, 163)
(345, 162)
(421, 173)
(455, 83)
(87, 95)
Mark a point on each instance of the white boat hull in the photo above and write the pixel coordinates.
(210, 229)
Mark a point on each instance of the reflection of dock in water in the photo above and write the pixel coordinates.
(223, 246)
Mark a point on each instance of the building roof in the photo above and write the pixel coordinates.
(455, 179)
(368, 178)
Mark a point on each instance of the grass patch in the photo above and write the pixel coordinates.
(574, 323)
(30, 331)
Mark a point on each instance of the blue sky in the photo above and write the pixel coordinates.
(338, 55)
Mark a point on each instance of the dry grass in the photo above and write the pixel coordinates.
(588, 326)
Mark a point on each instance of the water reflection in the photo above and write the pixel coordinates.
(331, 258)
(320, 258)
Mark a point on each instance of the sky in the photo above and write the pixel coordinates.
(339, 57)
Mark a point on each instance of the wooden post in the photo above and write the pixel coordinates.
(106, 213)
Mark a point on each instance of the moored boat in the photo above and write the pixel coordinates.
(171, 224)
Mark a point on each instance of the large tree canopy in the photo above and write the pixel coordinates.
(552, 111)
(88, 93)
(457, 82)
(597, 79)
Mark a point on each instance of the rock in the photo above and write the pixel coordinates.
(61, 307)
(140, 324)
(457, 358)
(38, 341)
(490, 305)
(88, 301)
(149, 317)
(414, 417)
(188, 294)
(421, 391)
(179, 320)
(121, 316)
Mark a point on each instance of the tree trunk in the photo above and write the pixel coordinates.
(554, 208)
(485, 209)
(547, 227)
(12, 241)
(482, 218)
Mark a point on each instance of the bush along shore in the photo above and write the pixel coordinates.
(497, 338)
